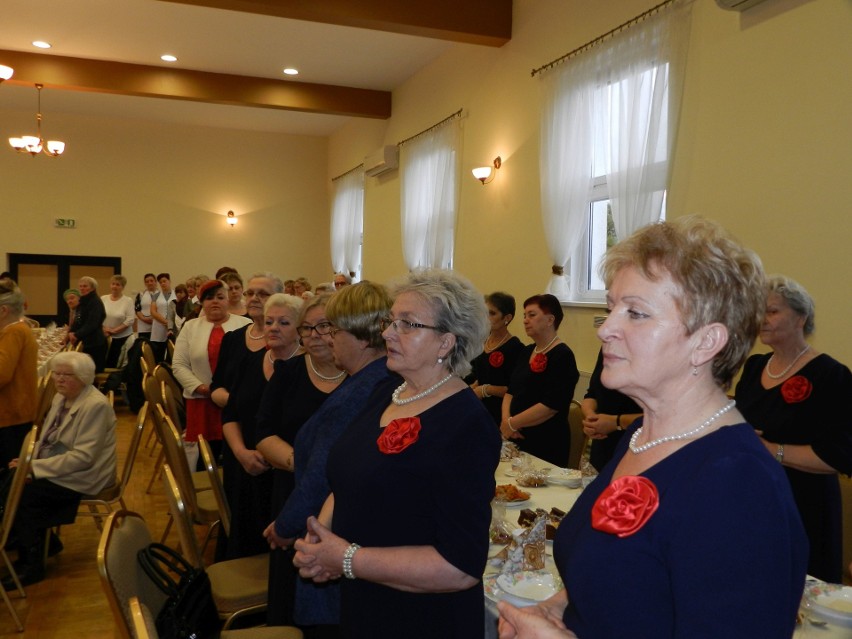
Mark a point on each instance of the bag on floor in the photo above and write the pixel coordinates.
(189, 611)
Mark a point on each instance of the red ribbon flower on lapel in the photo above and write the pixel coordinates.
(796, 389)
(625, 505)
(399, 435)
(538, 363)
(496, 359)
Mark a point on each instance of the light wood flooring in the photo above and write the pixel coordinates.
(70, 602)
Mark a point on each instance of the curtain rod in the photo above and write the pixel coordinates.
(352, 170)
(431, 128)
(599, 39)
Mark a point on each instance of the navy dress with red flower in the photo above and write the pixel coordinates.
(810, 408)
(723, 555)
(432, 488)
(496, 368)
(551, 384)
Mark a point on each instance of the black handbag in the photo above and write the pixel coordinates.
(189, 611)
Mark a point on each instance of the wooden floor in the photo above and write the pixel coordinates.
(70, 602)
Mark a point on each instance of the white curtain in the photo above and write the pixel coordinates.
(644, 105)
(610, 111)
(347, 222)
(429, 196)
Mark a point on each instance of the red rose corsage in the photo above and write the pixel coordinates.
(625, 505)
(538, 363)
(399, 435)
(796, 389)
(496, 359)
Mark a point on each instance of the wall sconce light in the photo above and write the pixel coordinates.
(486, 173)
(5, 72)
(231, 219)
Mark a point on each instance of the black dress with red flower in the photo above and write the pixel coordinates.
(496, 368)
(810, 408)
(548, 380)
(431, 487)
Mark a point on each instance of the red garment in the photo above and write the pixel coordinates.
(203, 417)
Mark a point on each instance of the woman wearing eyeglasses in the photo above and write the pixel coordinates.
(246, 476)
(412, 478)
(297, 388)
(251, 338)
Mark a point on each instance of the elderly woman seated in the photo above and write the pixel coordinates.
(74, 456)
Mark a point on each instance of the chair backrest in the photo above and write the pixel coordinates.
(215, 483)
(578, 437)
(46, 392)
(148, 356)
(111, 398)
(176, 458)
(170, 404)
(144, 365)
(13, 498)
(130, 459)
(163, 373)
(124, 535)
(182, 519)
(79, 346)
(151, 389)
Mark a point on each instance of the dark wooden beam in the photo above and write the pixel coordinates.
(485, 22)
(78, 74)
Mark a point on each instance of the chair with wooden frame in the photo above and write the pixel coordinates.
(13, 498)
(163, 373)
(45, 394)
(174, 408)
(148, 357)
(578, 437)
(240, 586)
(100, 506)
(201, 504)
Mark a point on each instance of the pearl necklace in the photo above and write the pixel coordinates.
(786, 370)
(320, 375)
(488, 349)
(538, 351)
(272, 359)
(252, 336)
(671, 438)
(399, 389)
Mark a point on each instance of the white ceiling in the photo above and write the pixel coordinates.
(204, 39)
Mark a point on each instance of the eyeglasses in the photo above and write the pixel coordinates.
(402, 326)
(261, 294)
(323, 328)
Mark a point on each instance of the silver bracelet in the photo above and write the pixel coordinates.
(485, 390)
(350, 551)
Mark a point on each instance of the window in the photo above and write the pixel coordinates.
(347, 223)
(607, 128)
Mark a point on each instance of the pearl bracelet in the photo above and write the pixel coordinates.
(509, 422)
(485, 390)
(350, 551)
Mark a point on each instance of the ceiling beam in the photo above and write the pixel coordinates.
(99, 76)
(484, 22)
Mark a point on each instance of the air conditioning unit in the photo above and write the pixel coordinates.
(738, 5)
(384, 160)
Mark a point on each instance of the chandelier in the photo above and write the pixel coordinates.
(35, 144)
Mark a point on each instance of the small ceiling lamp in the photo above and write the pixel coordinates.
(35, 144)
(5, 72)
(232, 219)
(486, 173)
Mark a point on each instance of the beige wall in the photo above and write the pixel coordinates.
(156, 194)
(763, 147)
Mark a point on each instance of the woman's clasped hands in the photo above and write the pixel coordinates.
(543, 621)
(319, 555)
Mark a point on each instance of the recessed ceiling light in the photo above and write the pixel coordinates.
(168, 57)
(41, 44)
(291, 71)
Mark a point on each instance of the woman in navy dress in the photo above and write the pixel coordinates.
(691, 530)
(535, 408)
(797, 400)
(493, 367)
(412, 479)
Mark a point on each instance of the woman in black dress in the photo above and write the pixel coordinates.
(535, 409)
(88, 323)
(493, 367)
(797, 399)
(412, 479)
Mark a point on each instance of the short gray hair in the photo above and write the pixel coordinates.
(458, 307)
(11, 296)
(82, 365)
(283, 300)
(277, 282)
(796, 297)
(91, 280)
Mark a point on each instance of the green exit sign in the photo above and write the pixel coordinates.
(65, 223)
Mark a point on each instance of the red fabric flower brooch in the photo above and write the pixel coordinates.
(796, 389)
(538, 363)
(625, 505)
(496, 359)
(399, 435)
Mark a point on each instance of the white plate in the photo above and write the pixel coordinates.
(829, 604)
(515, 504)
(565, 477)
(529, 586)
